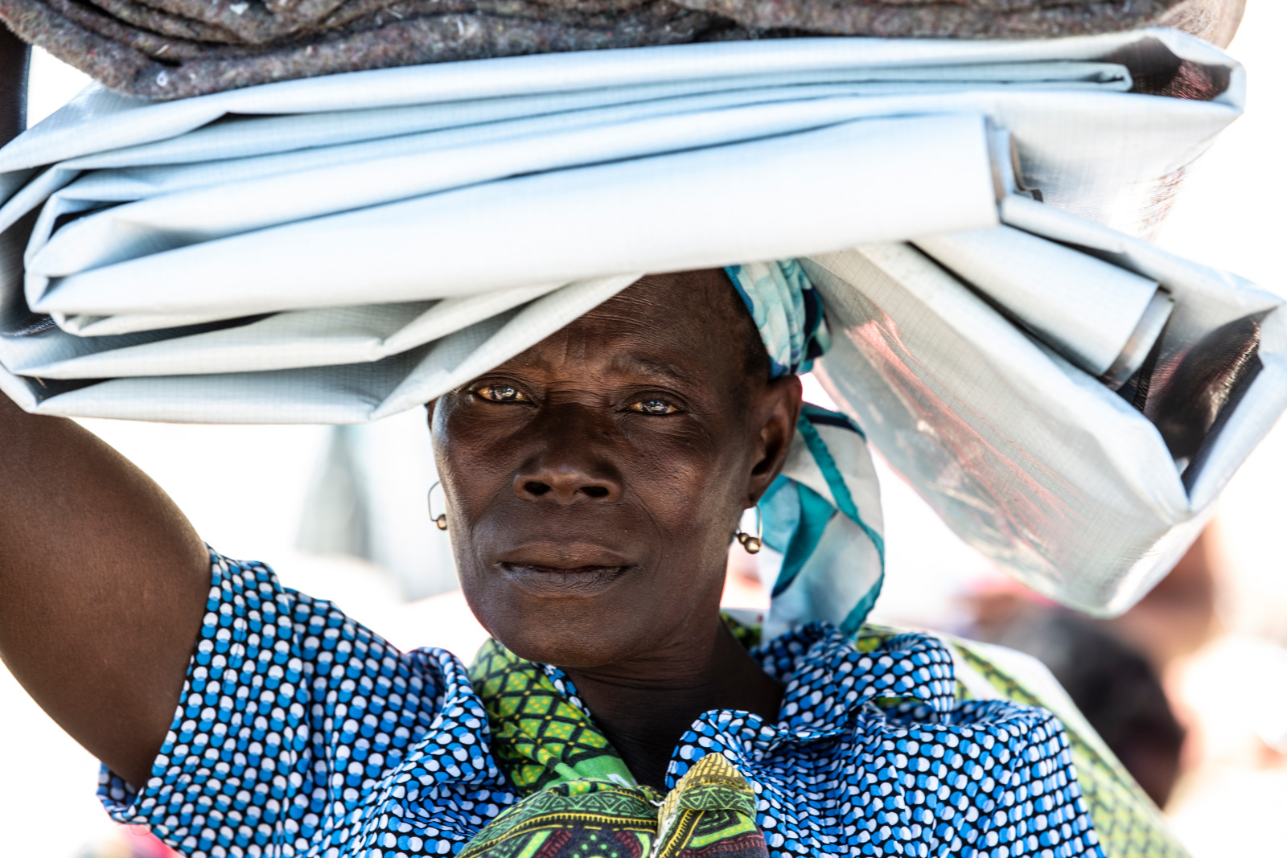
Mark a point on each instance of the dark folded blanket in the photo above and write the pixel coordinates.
(168, 49)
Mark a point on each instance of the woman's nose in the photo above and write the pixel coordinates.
(565, 484)
(569, 466)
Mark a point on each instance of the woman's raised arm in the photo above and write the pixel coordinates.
(102, 580)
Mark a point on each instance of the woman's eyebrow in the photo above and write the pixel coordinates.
(631, 364)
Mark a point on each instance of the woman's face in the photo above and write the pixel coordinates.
(594, 482)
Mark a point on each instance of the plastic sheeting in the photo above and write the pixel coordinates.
(341, 249)
(1083, 493)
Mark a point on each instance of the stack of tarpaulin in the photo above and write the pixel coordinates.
(339, 248)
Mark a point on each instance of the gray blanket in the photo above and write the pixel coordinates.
(167, 49)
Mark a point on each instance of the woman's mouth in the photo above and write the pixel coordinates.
(556, 581)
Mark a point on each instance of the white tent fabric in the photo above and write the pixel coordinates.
(340, 249)
(1029, 458)
(1085, 308)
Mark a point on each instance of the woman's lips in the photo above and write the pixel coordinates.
(555, 581)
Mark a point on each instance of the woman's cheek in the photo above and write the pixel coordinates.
(476, 458)
(683, 482)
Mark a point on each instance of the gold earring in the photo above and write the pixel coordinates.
(752, 544)
(440, 520)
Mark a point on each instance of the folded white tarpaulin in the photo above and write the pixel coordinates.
(1087, 494)
(340, 249)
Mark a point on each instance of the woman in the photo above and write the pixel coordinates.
(593, 485)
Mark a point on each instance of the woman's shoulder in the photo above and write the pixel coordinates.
(303, 715)
(988, 677)
(974, 725)
(261, 636)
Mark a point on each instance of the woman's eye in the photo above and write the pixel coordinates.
(653, 406)
(500, 393)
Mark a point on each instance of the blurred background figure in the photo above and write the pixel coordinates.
(367, 500)
(127, 842)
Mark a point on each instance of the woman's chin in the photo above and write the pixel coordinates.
(576, 631)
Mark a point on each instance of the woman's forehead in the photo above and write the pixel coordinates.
(665, 325)
(674, 297)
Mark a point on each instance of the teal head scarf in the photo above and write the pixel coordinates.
(822, 521)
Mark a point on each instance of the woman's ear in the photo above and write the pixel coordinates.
(776, 416)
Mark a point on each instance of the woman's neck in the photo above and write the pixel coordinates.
(646, 705)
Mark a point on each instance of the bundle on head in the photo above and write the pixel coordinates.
(167, 49)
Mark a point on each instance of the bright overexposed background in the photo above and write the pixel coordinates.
(245, 488)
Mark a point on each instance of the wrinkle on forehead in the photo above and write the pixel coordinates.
(688, 314)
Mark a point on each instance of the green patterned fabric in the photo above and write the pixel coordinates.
(592, 817)
(579, 798)
(538, 736)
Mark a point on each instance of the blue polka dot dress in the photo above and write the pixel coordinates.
(301, 733)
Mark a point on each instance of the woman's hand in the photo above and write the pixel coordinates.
(103, 581)
(15, 57)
